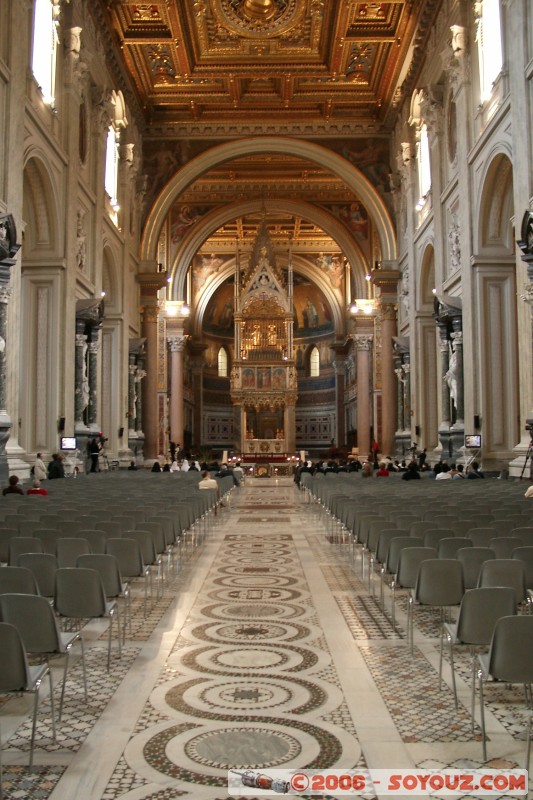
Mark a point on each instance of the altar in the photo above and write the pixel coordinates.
(264, 446)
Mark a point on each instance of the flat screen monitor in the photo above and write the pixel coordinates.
(68, 443)
(473, 441)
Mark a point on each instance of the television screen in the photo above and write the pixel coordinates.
(68, 443)
(473, 441)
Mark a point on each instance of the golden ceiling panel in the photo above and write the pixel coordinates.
(285, 61)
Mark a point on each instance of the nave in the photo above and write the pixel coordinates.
(266, 650)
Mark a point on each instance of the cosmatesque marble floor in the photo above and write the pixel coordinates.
(267, 650)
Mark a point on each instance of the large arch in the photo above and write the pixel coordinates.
(220, 216)
(315, 153)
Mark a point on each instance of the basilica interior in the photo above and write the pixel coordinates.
(383, 153)
(273, 231)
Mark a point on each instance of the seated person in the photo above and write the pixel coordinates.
(37, 489)
(13, 487)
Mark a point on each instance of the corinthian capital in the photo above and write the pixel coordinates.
(362, 341)
(177, 343)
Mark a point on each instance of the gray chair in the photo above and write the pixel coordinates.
(472, 558)
(37, 624)
(433, 536)
(79, 595)
(43, 567)
(23, 544)
(17, 579)
(130, 561)
(406, 576)
(509, 660)
(151, 558)
(504, 546)
(68, 551)
(27, 527)
(506, 572)
(439, 584)
(525, 534)
(48, 537)
(525, 555)
(481, 536)
(17, 677)
(479, 611)
(6, 534)
(448, 548)
(112, 529)
(114, 587)
(96, 539)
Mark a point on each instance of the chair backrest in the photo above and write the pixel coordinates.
(79, 593)
(96, 539)
(418, 529)
(108, 568)
(511, 650)
(525, 555)
(34, 619)
(48, 537)
(448, 548)
(68, 550)
(50, 520)
(472, 559)
(504, 546)
(398, 544)
(17, 579)
(129, 556)
(433, 536)
(23, 544)
(111, 528)
(480, 610)
(505, 572)
(6, 534)
(409, 564)
(156, 529)
(14, 670)
(27, 527)
(525, 534)
(384, 542)
(440, 582)
(481, 536)
(43, 566)
(145, 540)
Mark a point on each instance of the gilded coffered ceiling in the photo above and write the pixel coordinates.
(334, 65)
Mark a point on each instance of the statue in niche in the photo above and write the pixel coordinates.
(81, 241)
(451, 375)
(454, 237)
(405, 290)
(85, 391)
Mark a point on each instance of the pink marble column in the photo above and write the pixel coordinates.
(363, 346)
(150, 283)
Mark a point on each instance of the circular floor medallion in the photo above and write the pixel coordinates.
(242, 747)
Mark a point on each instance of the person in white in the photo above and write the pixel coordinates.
(39, 469)
(444, 474)
(238, 473)
(184, 465)
(208, 482)
(174, 467)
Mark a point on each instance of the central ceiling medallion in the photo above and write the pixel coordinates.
(260, 17)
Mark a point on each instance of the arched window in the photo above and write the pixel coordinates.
(45, 42)
(424, 168)
(222, 363)
(489, 45)
(314, 363)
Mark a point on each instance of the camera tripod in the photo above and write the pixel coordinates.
(529, 457)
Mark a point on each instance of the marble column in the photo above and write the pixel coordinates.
(80, 390)
(388, 380)
(401, 403)
(138, 397)
(407, 396)
(177, 345)
(457, 338)
(150, 411)
(444, 367)
(363, 346)
(340, 433)
(5, 294)
(92, 411)
(132, 370)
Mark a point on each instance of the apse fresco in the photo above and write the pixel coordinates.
(218, 317)
(312, 314)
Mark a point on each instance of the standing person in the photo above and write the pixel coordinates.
(422, 458)
(39, 469)
(375, 453)
(55, 467)
(94, 452)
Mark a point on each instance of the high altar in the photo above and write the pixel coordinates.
(263, 377)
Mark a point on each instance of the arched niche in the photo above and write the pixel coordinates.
(110, 282)
(426, 295)
(39, 211)
(496, 209)
(316, 154)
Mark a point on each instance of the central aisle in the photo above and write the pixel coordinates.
(273, 655)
